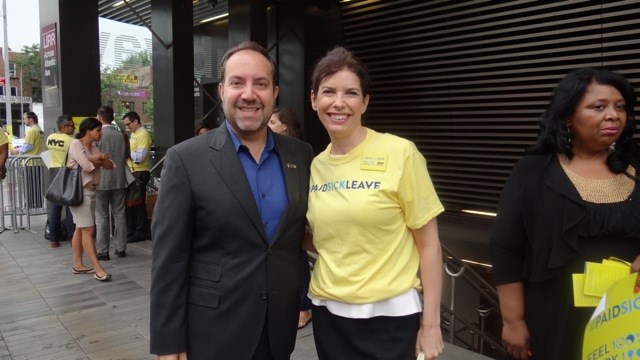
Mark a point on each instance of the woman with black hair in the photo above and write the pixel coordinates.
(573, 198)
(83, 153)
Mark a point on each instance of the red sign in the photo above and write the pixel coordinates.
(2, 82)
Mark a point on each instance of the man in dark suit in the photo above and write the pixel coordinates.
(227, 228)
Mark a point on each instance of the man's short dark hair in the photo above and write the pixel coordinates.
(62, 121)
(250, 45)
(106, 112)
(132, 115)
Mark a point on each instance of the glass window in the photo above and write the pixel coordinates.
(14, 90)
(127, 106)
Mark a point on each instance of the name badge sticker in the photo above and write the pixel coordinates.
(374, 162)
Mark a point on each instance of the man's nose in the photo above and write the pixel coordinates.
(248, 93)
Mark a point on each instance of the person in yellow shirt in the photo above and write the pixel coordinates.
(4, 153)
(33, 138)
(58, 144)
(140, 145)
(372, 211)
(33, 146)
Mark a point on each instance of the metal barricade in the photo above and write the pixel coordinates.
(3, 227)
(23, 191)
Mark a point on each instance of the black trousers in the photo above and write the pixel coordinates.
(381, 337)
(137, 215)
(305, 278)
(55, 216)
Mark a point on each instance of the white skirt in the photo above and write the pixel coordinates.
(84, 214)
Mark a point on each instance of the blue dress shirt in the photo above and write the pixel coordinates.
(266, 180)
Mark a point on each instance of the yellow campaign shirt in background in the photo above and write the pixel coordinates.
(4, 139)
(35, 137)
(140, 139)
(58, 145)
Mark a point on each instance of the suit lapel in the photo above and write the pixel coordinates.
(289, 164)
(226, 162)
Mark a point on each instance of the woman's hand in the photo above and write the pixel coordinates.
(515, 336)
(429, 342)
(635, 267)
(95, 159)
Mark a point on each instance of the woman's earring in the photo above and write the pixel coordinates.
(568, 135)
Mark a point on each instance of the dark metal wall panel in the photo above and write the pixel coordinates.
(468, 80)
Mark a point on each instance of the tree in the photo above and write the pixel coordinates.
(29, 61)
(136, 60)
(110, 85)
(148, 108)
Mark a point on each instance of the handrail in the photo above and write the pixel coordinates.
(486, 291)
(449, 256)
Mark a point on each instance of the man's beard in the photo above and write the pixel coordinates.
(247, 130)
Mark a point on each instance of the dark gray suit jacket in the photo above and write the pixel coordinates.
(112, 143)
(214, 279)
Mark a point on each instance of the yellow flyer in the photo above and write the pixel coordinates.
(613, 333)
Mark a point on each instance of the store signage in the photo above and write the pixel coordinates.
(128, 79)
(50, 82)
(17, 99)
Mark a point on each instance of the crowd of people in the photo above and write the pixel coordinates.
(242, 203)
(99, 144)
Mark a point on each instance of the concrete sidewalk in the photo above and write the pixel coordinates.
(46, 312)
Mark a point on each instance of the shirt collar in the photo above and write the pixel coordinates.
(270, 145)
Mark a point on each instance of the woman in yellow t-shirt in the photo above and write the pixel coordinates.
(372, 212)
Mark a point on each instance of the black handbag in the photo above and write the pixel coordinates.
(66, 186)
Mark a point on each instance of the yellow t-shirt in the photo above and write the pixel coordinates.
(362, 208)
(4, 139)
(140, 139)
(35, 137)
(58, 145)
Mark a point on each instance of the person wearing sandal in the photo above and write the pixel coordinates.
(83, 153)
